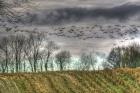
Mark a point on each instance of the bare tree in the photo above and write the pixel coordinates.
(115, 57)
(62, 59)
(24, 62)
(4, 47)
(50, 48)
(17, 42)
(32, 49)
(125, 56)
(2, 62)
(17, 50)
(52, 63)
(131, 55)
(87, 61)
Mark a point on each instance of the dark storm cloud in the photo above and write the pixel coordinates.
(58, 16)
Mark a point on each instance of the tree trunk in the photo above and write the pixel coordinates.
(61, 66)
(46, 64)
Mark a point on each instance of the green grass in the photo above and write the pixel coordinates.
(106, 81)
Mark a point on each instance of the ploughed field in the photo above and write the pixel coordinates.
(103, 81)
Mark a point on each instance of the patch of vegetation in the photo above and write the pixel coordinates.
(106, 81)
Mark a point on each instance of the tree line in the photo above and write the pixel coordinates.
(34, 52)
(21, 52)
(124, 56)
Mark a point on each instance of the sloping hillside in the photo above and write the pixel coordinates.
(107, 81)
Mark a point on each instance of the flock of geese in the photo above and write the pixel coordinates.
(122, 32)
(98, 32)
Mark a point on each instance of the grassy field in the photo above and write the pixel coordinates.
(107, 81)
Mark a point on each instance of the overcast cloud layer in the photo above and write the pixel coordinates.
(67, 11)
(121, 13)
(88, 37)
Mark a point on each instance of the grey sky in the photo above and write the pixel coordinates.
(84, 3)
(43, 12)
(81, 13)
